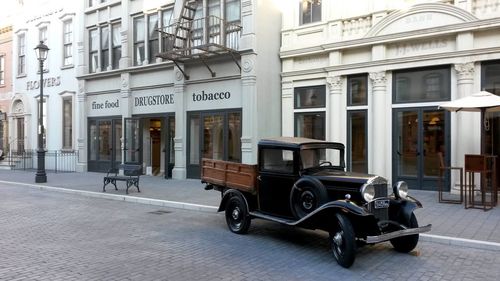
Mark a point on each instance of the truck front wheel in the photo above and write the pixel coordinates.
(405, 244)
(343, 242)
(237, 217)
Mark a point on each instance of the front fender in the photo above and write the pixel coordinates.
(321, 218)
(402, 209)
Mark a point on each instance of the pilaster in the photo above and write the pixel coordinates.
(378, 124)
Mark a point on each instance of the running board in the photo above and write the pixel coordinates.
(396, 234)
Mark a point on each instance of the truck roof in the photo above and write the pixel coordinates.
(293, 141)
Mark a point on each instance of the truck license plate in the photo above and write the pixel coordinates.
(381, 204)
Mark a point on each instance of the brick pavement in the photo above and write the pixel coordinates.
(57, 236)
(448, 220)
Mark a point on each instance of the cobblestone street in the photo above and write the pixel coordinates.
(56, 236)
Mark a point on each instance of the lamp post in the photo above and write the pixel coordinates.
(41, 51)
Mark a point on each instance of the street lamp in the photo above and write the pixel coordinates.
(41, 51)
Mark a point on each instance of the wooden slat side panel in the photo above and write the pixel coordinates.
(234, 175)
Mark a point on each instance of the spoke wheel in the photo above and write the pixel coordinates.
(343, 242)
(237, 217)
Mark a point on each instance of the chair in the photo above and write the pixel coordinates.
(485, 166)
(443, 169)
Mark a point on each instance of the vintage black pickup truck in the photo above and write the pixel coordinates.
(302, 182)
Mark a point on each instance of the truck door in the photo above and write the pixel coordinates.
(277, 174)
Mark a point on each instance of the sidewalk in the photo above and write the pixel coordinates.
(451, 223)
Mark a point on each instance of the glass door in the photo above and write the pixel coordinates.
(419, 136)
(169, 129)
(132, 142)
(104, 144)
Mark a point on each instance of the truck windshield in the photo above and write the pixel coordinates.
(320, 157)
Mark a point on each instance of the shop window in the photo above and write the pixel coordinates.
(357, 90)
(310, 125)
(21, 55)
(357, 146)
(422, 85)
(310, 97)
(310, 11)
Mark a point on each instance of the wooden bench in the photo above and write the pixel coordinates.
(131, 174)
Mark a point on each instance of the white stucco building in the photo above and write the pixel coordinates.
(371, 74)
(54, 23)
(207, 85)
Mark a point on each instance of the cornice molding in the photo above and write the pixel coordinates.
(453, 29)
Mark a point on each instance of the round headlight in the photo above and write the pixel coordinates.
(368, 192)
(401, 189)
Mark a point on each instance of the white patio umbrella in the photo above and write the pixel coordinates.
(478, 102)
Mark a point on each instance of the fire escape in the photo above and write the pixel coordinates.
(191, 39)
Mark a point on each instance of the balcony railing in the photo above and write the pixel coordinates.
(199, 38)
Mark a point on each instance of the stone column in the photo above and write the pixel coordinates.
(335, 109)
(249, 136)
(466, 138)
(180, 171)
(381, 142)
(287, 123)
(81, 124)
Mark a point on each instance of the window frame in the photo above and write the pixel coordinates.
(349, 147)
(2, 70)
(297, 91)
(43, 33)
(302, 11)
(350, 79)
(139, 43)
(21, 54)
(67, 40)
(65, 121)
(309, 113)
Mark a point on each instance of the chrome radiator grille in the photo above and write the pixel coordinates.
(380, 192)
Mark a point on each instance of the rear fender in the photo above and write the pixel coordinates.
(228, 194)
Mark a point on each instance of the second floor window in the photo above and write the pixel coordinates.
(139, 38)
(2, 70)
(68, 42)
(42, 37)
(94, 49)
(105, 47)
(21, 53)
(310, 11)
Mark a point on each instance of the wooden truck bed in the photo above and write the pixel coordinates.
(229, 174)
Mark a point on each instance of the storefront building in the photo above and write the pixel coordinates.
(165, 83)
(371, 74)
(50, 22)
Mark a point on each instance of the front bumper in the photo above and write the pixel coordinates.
(396, 234)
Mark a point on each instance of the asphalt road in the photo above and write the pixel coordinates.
(56, 236)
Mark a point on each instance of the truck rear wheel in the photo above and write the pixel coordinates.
(237, 217)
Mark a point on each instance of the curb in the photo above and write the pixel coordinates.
(125, 198)
(446, 240)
